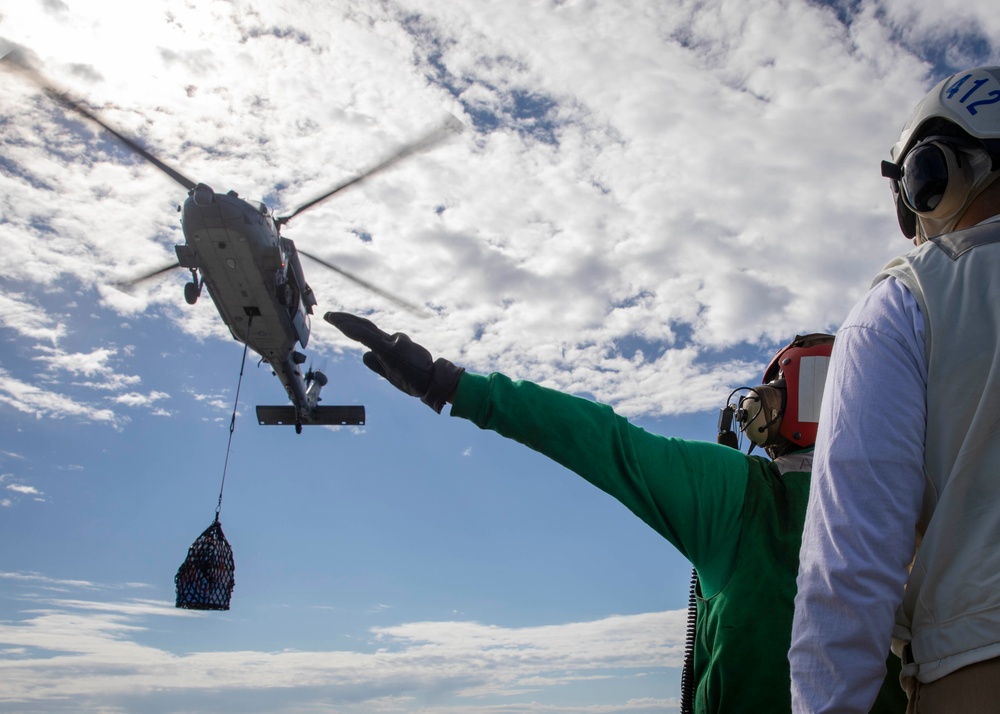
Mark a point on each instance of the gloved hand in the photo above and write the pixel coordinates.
(405, 364)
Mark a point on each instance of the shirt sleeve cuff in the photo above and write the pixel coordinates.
(470, 395)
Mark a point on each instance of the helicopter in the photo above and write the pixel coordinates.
(234, 248)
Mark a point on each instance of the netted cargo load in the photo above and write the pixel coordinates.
(205, 579)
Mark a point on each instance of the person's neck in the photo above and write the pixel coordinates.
(987, 204)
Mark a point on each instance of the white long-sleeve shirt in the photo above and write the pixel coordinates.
(865, 500)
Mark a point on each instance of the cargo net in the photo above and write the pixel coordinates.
(205, 579)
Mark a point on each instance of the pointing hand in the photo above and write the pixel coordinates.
(405, 364)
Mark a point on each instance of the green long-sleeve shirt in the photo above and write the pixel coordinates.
(737, 518)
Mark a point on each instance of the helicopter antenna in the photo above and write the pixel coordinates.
(450, 127)
(16, 59)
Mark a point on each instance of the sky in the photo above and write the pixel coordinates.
(647, 200)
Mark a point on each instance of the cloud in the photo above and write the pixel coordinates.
(98, 367)
(134, 399)
(29, 320)
(89, 651)
(217, 400)
(44, 403)
(111, 381)
(85, 364)
(23, 489)
(688, 179)
(39, 579)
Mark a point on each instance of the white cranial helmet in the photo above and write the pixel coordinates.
(945, 155)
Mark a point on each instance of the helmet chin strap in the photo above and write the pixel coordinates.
(928, 228)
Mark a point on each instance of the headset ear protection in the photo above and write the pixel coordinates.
(933, 181)
(937, 178)
(760, 411)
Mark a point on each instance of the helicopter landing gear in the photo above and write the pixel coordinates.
(298, 427)
(190, 293)
(192, 290)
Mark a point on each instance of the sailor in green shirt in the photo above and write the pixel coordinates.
(737, 518)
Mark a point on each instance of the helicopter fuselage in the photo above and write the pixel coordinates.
(254, 277)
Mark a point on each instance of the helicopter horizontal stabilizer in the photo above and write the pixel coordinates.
(323, 416)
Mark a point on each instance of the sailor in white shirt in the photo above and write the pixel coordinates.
(908, 449)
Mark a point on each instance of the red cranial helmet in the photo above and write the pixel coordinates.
(782, 414)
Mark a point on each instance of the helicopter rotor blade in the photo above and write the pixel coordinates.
(366, 285)
(19, 63)
(126, 285)
(449, 128)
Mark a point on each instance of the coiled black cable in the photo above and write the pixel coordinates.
(687, 674)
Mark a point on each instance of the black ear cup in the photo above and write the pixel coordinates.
(935, 180)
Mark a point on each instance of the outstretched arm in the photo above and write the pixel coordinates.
(690, 492)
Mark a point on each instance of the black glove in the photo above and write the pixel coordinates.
(405, 364)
